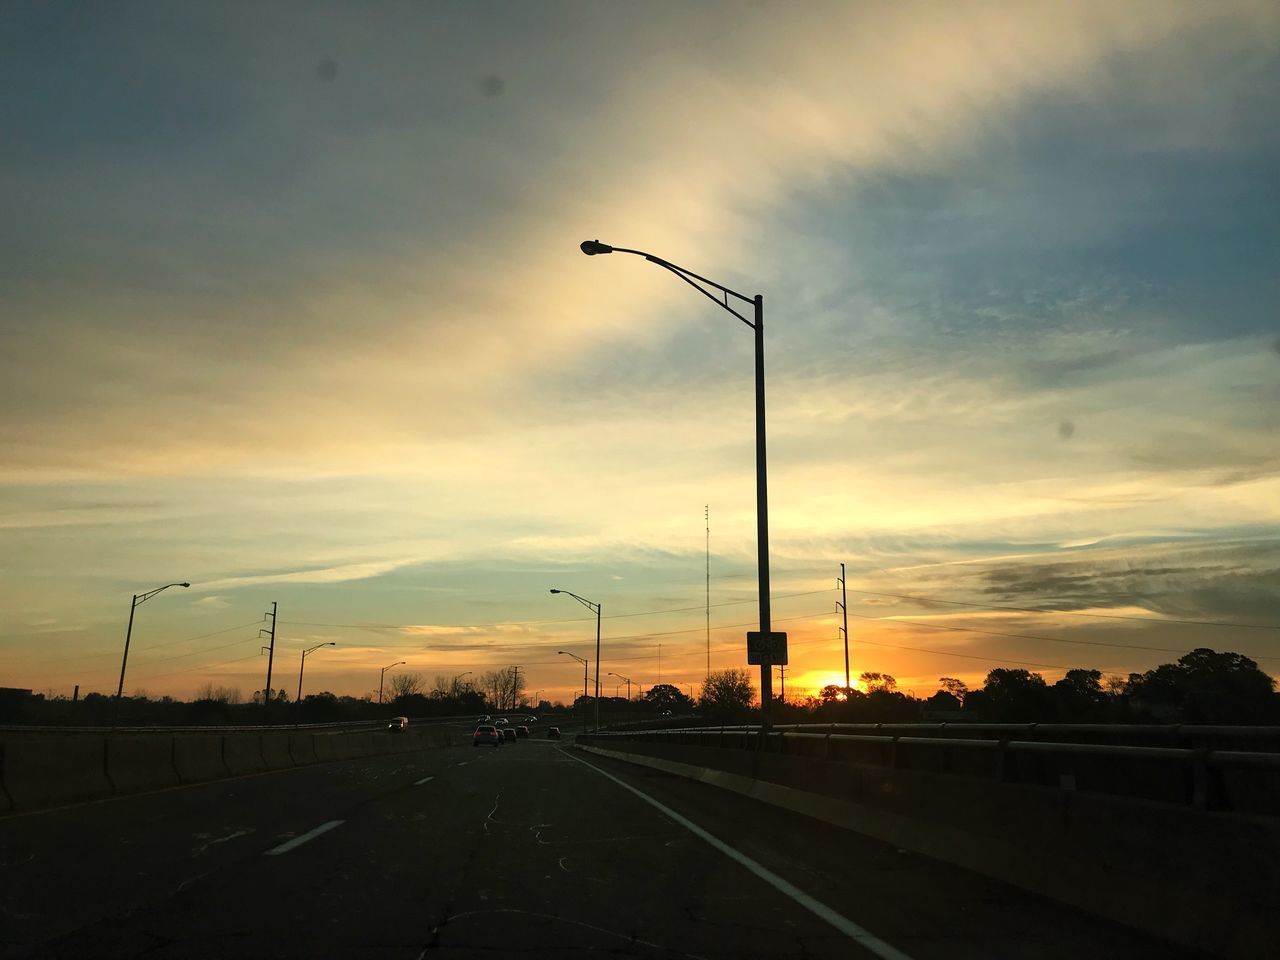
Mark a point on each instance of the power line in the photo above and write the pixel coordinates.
(1032, 636)
(1070, 613)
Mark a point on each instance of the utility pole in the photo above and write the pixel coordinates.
(271, 655)
(659, 665)
(843, 606)
(515, 687)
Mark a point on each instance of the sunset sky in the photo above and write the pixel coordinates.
(292, 307)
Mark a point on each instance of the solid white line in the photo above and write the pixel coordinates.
(299, 841)
(846, 926)
(418, 783)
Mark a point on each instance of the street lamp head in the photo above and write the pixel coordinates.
(555, 591)
(592, 247)
(184, 584)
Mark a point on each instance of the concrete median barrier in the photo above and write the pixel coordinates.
(198, 758)
(275, 751)
(302, 747)
(47, 771)
(1205, 880)
(242, 753)
(141, 763)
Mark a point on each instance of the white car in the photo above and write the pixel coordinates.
(500, 722)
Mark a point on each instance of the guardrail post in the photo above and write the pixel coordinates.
(893, 752)
(826, 743)
(1002, 762)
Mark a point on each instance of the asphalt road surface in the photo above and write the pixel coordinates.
(533, 850)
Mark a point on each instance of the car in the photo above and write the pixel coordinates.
(398, 725)
(486, 734)
(508, 734)
(530, 719)
(501, 722)
(522, 732)
(553, 733)
(484, 719)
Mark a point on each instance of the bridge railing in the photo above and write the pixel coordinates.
(1202, 777)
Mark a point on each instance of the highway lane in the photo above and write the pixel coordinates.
(526, 850)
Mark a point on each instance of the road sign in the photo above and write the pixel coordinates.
(766, 648)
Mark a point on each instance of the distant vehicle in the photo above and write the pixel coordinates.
(486, 734)
(485, 719)
(398, 725)
(508, 735)
(530, 719)
(501, 722)
(522, 732)
(553, 733)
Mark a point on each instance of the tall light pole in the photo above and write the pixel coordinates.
(455, 683)
(331, 643)
(383, 675)
(595, 608)
(769, 648)
(583, 661)
(626, 680)
(138, 598)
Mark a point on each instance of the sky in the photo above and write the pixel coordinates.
(292, 308)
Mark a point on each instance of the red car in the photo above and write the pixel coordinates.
(486, 734)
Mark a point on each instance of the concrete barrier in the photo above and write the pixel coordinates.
(47, 771)
(242, 753)
(6, 804)
(198, 758)
(1205, 880)
(140, 763)
(302, 747)
(275, 750)
(51, 769)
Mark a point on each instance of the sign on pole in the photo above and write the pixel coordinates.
(766, 649)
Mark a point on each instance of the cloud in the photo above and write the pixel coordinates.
(335, 574)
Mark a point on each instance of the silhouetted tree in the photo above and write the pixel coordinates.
(1010, 695)
(727, 695)
(1079, 695)
(877, 681)
(957, 689)
(1207, 687)
(666, 696)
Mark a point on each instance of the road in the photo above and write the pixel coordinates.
(532, 850)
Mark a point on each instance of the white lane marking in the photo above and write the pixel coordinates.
(309, 835)
(418, 783)
(846, 926)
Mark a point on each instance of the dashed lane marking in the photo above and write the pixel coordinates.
(418, 783)
(299, 841)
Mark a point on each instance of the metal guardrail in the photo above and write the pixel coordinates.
(1194, 775)
(1034, 730)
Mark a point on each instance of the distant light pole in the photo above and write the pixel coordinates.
(595, 608)
(456, 692)
(138, 598)
(381, 676)
(626, 680)
(331, 643)
(583, 661)
(767, 639)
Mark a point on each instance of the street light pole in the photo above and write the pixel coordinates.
(456, 691)
(595, 607)
(383, 675)
(331, 643)
(138, 599)
(583, 660)
(594, 247)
